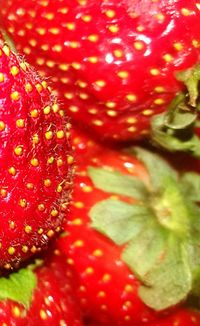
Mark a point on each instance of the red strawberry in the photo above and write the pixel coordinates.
(36, 162)
(132, 236)
(182, 317)
(40, 295)
(114, 63)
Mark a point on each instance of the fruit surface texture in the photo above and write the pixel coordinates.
(113, 63)
(35, 161)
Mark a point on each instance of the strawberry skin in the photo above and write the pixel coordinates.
(114, 62)
(107, 287)
(36, 162)
(52, 301)
(183, 317)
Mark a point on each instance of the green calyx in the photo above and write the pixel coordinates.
(18, 287)
(175, 129)
(160, 231)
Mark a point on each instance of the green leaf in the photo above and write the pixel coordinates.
(191, 184)
(171, 280)
(167, 139)
(173, 211)
(180, 119)
(145, 250)
(191, 78)
(118, 220)
(157, 167)
(18, 287)
(118, 183)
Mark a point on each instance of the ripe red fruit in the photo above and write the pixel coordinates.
(127, 235)
(36, 162)
(40, 295)
(183, 317)
(114, 63)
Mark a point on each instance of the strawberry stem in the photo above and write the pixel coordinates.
(176, 139)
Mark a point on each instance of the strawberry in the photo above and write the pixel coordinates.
(36, 162)
(40, 294)
(114, 63)
(132, 235)
(182, 317)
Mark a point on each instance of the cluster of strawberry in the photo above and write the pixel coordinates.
(99, 195)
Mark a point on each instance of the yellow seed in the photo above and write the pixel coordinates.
(28, 229)
(70, 26)
(101, 294)
(89, 270)
(25, 249)
(47, 182)
(3, 192)
(78, 243)
(34, 162)
(54, 30)
(2, 126)
(43, 314)
(76, 65)
(34, 113)
(70, 159)
(178, 46)
(41, 207)
(113, 28)
(131, 97)
(23, 203)
(12, 170)
(1, 77)
(159, 101)
(39, 88)
(6, 50)
(110, 105)
(97, 253)
(15, 96)
(123, 74)
(110, 13)
(49, 135)
(60, 134)
(118, 53)
(20, 123)
(47, 110)
(186, 12)
(57, 48)
(92, 59)
(54, 212)
(40, 231)
(167, 57)
(93, 38)
(154, 72)
(11, 250)
(59, 189)
(86, 18)
(106, 277)
(98, 123)
(77, 221)
(138, 45)
(159, 89)
(111, 113)
(100, 83)
(35, 139)
(30, 186)
(50, 233)
(55, 107)
(18, 150)
(14, 70)
(50, 160)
